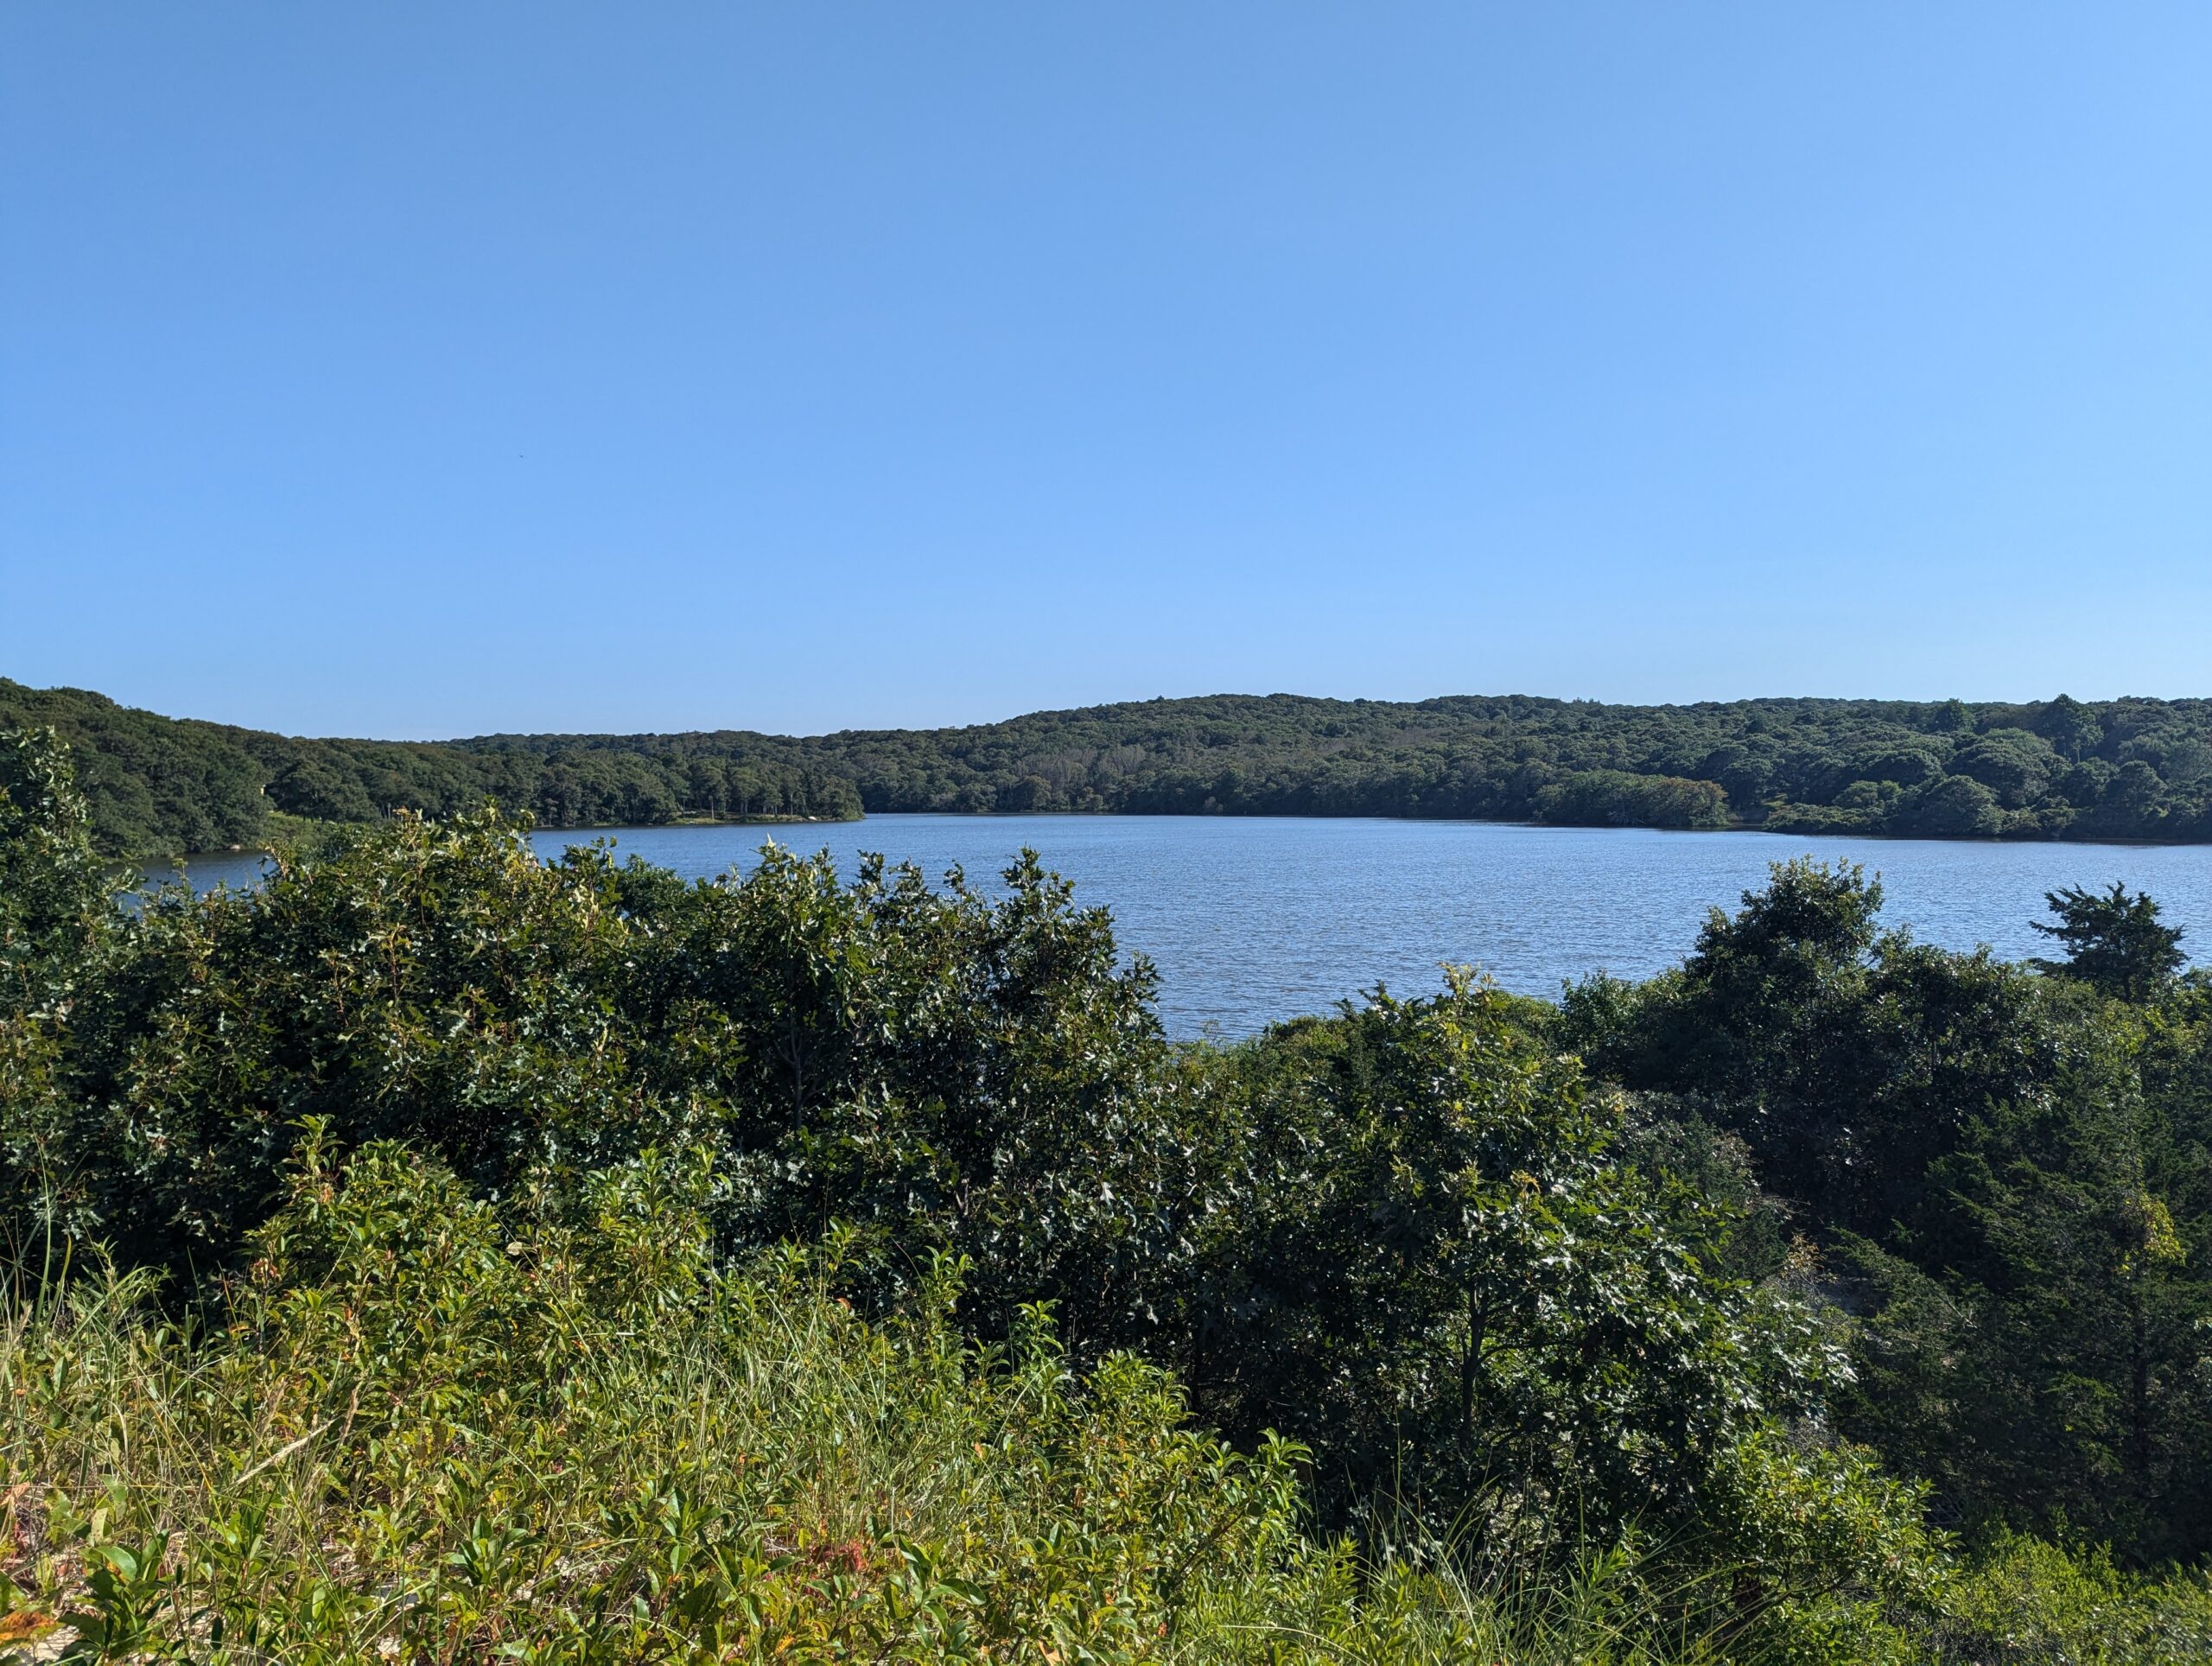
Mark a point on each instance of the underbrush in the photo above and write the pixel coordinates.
(430, 1430)
(426, 1428)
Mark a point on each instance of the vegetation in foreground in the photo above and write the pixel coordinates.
(437, 1255)
(2061, 768)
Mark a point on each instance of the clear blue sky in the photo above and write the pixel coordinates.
(424, 370)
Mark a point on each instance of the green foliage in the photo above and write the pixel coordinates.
(55, 916)
(430, 1427)
(1612, 798)
(1951, 807)
(1443, 1279)
(2028, 1600)
(938, 1072)
(159, 787)
(563, 1261)
(54, 888)
(2114, 941)
(2010, 1168)
(2135, 769)
(437, 984)
(433, 1429)
(1847, 1056)
(154, 786)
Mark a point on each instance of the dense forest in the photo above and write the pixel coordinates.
(2123, 769)
(161, 787)
(438, 1253)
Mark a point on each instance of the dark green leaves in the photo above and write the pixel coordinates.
(2114, 941)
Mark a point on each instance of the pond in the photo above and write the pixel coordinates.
(1251, 920)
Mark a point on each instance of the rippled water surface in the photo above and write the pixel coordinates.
(1251, 920)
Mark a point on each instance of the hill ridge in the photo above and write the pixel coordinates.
(2133, 768)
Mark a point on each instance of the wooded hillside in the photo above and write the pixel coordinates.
(2121, 769)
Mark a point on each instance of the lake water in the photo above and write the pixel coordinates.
(1253, 919)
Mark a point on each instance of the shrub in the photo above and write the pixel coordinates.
(434, 1429)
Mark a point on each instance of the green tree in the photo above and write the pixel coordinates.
(434, 983)
(2132, 803)
(2012, 763)
(939, 1071)
(1444, 1279)
(2124, 768)
(54, 888)
(2041, 1339)
(2071, 726)
(2022, 1201)
(1614, 798)
(1953, 806)
(55, 919)
(2114, 941)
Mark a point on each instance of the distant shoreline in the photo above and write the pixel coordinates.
(187, 858)
(1418, 820)
(2116, 772)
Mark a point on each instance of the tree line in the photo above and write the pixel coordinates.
(1809, 1282)
(2061, 768)
(160, 787)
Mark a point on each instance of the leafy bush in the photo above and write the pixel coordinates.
(434, 1429)
(2027, 1599)
(426, 1427)
(1444, 1277)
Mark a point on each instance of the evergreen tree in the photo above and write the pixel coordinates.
(2114, 941)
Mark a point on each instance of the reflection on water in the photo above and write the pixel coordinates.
(1251, 920)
